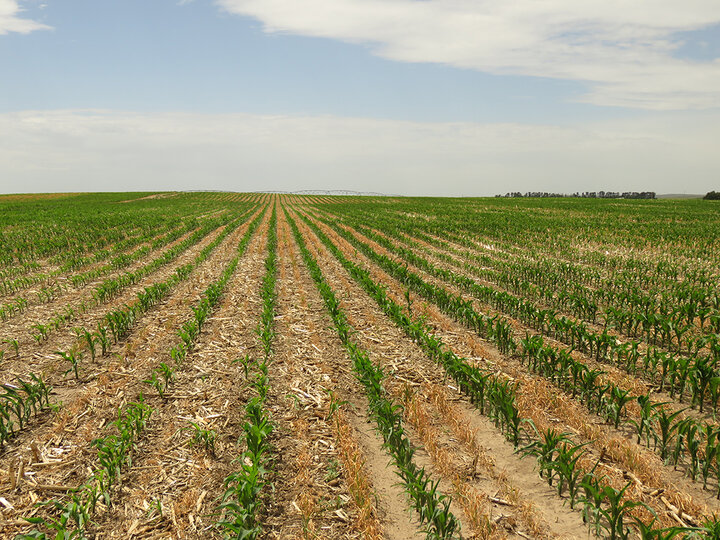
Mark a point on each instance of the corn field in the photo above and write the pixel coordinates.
(229, 365)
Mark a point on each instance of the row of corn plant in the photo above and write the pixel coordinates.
(19, 402)
(494, 396)
(687, 300)
(189, 331)
(696, 441)
(241, 502)
(673, 436)
(118, 254)
(114, 453)
(10, 308)
(433, 508)
(609, 400)
(41, 331)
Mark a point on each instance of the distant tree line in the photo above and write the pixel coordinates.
(587, 194)
(712, 196)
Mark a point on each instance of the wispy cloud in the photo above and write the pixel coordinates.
(623, 50)
(11, 21)
(101, 150)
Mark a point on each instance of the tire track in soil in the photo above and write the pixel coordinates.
(308, 359)
(553, 408)
(64, 443)
(418, 369)
(407, 364)
(211, 391)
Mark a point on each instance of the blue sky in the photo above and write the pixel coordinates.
(440, 97)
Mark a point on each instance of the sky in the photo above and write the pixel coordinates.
(408, 97)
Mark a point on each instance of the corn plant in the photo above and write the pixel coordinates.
(648, 413)
(42, 334)
(101, 337)
(203, 437)
(14, 344)
(618, 399)
(73, 513)
(90, 340)
(74, 358)
(115, 450)
(667, 430)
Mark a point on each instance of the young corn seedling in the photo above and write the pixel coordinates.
(545, 448)
(568, 472)
(101, 337)
(617, 510)
(156, 383)
(14, 402)
(246, 362)
(668, 427)
(203, 437)
(90, 341)
(14, 344)
(648, 413)
(712, 449)
(74, 358)
(73, 513)
(618, 399)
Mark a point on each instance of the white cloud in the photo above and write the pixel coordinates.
(623, 50)
(10, 21)
(106, 151)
